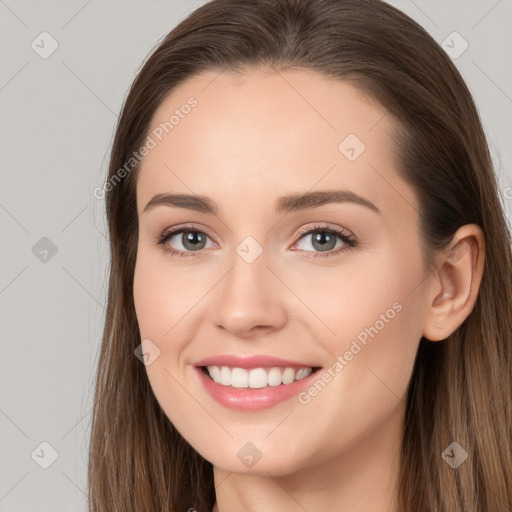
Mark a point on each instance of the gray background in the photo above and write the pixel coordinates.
(57, 121)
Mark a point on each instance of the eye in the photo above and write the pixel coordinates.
(192, 241)
(189, 238)
(324, 239)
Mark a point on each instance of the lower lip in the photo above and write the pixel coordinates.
(248, 399)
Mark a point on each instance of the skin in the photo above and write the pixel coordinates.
(251, 139)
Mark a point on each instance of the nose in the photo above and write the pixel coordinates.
(250, 299)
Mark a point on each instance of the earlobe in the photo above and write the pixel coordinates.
(455, 283)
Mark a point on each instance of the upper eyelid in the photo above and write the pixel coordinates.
(326, 227)
(178, 229)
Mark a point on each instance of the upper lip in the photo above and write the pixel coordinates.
(257, 361)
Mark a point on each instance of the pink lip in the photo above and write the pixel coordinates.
(249, 362)
(246, 399)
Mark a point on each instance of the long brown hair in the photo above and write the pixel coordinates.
(461, 388)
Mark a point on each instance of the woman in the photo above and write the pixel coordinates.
(311, 264)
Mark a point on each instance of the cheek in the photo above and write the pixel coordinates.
(166, 299)
(375, 319)
(160, 307)
(162, 295)
(377, 331)
(159, 304)
(367, 293)
(149, 300)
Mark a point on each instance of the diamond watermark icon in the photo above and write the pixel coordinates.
(44, 455)
(44, 45)
(249, 454)
(147, 352)
(455, 45)
(44, 250)
(249, 249)
(351, 147)
(454, 455)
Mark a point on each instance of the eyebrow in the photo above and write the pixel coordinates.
(284, 204)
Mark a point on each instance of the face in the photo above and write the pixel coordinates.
(328, 283)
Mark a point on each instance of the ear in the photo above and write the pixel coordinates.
(454, 283)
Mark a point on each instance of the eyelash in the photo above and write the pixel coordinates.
(348, 240)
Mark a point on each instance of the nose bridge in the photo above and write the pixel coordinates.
(249, 275)
(247, 258)
(249, 294)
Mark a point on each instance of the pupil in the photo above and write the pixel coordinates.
(320, 237)
(192, 238)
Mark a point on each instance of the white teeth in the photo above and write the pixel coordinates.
(288, 376)
(303, 372)
(239, 378)
(274, 377)
(256, 378)
(225, 374)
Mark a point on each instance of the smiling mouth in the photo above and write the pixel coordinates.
(256, 378)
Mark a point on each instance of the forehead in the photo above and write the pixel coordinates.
(267, 133)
